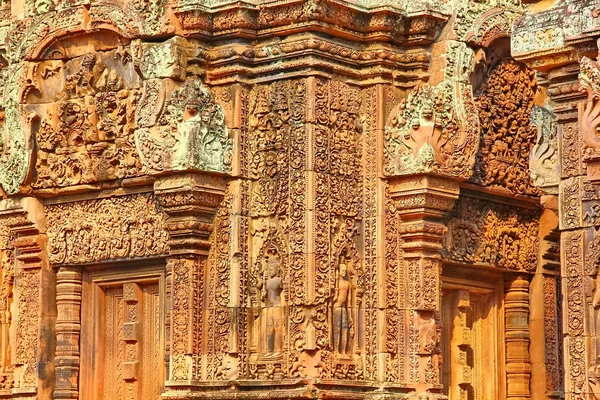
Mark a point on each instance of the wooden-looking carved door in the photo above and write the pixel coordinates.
(471, 336)
(123, 338)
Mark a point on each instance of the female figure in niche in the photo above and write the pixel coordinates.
(272, 288)
(342, 312)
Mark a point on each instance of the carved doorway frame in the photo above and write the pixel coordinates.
(96, 279)
(479, 281)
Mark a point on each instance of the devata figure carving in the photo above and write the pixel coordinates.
(343, 324)
(272, 288)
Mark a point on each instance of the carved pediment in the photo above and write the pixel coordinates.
(507, 134)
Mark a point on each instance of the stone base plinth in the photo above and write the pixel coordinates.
(295, 389)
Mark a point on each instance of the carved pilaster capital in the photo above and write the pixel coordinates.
(25, 220)
(424, 196)
(190, 202)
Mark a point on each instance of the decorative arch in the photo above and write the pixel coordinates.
(491, 25)
(29, 42)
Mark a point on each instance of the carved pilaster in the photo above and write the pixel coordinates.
(422, 201)
(36, 307)
(190, 202)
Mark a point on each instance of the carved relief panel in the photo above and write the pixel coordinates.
(7, 265)
(84, 109)
(507, 134)
(319, 291)
(483, 232)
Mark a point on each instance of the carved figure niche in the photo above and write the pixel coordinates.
(268, 301)
(343, 310)
(347, 313)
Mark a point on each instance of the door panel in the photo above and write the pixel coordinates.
(123, 339)
(470, 340)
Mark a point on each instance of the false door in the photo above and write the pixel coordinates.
(470, 343)
(123, 339)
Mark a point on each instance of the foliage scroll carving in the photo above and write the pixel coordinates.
(480, 232)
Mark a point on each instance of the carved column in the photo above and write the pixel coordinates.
(422, 202)
(190, 202)
(545, 325)
(564, 91)
(545, 315)
(68, 331)
(516, 311)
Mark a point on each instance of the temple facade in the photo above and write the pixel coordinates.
(299, 199)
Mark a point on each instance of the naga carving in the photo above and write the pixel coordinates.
(15, 126)
(434, 129)
(424, 134)
(589, 79)
(543, 160)
(183, 130)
